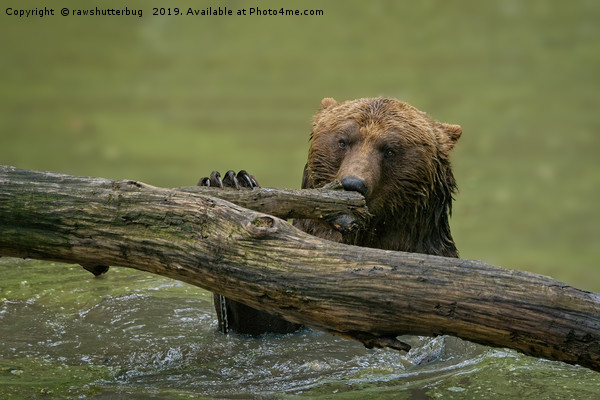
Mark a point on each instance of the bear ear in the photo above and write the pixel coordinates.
(453, 131)
(327, 102)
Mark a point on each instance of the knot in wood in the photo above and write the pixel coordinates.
(345, 223)
(262, 225)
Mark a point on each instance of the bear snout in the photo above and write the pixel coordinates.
(352, 183)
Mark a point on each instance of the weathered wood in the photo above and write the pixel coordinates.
(345, 210)
(367, 294)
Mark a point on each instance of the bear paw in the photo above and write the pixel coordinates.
(242, 180)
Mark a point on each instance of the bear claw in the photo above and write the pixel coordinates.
(246, 179)
(231, 180)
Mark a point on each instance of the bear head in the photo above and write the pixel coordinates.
(397, 157)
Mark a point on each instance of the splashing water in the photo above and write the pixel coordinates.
(134, 335)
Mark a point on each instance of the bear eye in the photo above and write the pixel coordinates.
(342, 144)
(389, 153)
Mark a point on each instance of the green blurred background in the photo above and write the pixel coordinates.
(166, 100)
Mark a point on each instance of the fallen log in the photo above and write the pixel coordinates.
(366, 294)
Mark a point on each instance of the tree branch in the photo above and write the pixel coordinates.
(367, 294)
(347, 211)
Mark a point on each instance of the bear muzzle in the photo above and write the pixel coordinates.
(354, 184)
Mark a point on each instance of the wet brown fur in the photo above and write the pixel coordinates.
(402, 155)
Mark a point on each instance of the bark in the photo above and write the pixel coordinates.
(347, 211)
(366, 294)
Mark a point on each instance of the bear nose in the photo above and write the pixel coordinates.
(352, 183)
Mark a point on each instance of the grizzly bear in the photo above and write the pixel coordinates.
(397, 157)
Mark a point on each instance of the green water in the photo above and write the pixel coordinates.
(166, 100)
(133, 335)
